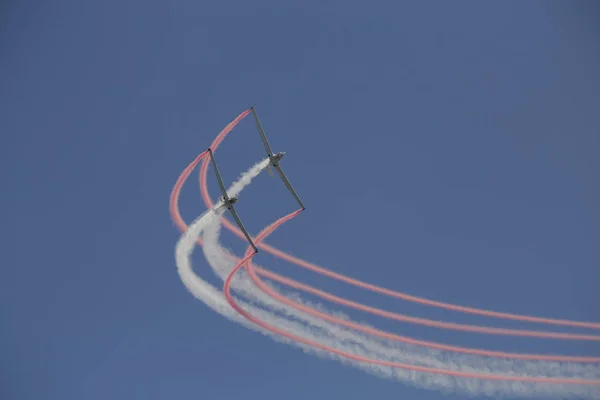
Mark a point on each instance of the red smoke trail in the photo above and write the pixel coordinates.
(404, 339)
(253, 271)
(248, 256)
(371, 287)
(420, 321)
(253, 275)
(174, 198)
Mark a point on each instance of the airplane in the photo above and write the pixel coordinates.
(274, 160)
(230, 201)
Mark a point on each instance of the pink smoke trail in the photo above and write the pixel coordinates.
(253, 271)
(248, 256)
(253, 275)
(374, 288)
(422, 321)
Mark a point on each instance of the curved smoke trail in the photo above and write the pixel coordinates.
(328, 335)
(465, 378)
(347, 340)
(378, 289)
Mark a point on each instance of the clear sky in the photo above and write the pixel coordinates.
(445, 149)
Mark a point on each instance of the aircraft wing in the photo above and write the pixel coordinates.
(289, 185)
(239, 222)
(221, 185)
(262, 133)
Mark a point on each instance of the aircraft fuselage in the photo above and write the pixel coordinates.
(230, 202)
(275, 158)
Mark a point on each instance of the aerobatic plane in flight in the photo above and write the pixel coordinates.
(274, 160)
(229, 202)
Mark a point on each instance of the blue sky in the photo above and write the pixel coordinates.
(448, 150)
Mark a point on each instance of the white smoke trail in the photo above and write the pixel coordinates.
(347, 340)
(222, 262)
(202, 290)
